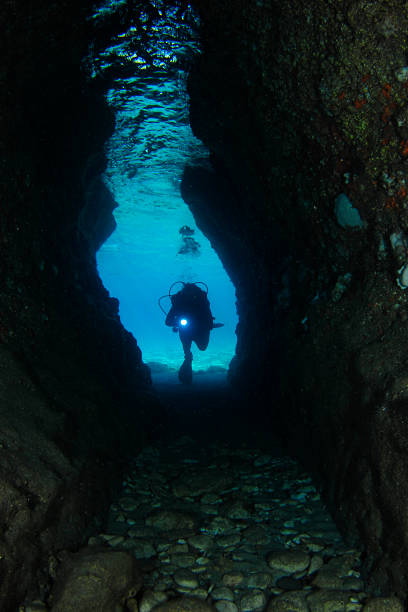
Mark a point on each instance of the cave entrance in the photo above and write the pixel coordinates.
(151, 145)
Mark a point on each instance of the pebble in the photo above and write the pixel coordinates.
(259, 581)
(288, 562)
(220, 525)
(225, 606)
(201, 542)
(167, 520)
(186, 579)
(183, 560)
(222, 593)
(253, 601)
(289, 602)
(200, 593)
(229, 540)
(151, 599)
(330, 601)
(115, 540)
(232, 530)
(232, 579)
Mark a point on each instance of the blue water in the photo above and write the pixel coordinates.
(147, 153)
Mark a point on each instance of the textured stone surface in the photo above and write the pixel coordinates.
(289, 602)
(291, 128)
(288, 506)
(255, 600)
(95, 581)
(288, 562)
(166, 519)
(330, 600)
(67, 367)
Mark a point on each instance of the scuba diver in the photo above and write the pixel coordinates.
(190, 315)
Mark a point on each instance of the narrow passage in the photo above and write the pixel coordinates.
(228, 525)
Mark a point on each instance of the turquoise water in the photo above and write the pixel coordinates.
(147, 153)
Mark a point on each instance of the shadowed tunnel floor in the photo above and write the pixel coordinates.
(209, 410)
(217, 513)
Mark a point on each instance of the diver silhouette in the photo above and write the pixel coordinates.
(190, 315)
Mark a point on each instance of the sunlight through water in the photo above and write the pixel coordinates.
(151, 144)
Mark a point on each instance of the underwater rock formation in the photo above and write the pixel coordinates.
(302, 103)
(114, 577)
(74, 390)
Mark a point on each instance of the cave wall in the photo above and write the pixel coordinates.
(304, 108)
(75, 394)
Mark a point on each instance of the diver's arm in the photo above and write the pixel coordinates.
(171, 318)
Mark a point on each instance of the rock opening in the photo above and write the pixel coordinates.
(303, 109)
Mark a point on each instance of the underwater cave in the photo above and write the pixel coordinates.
(262, 148)
(157, 244)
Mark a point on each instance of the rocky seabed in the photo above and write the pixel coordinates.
(231, 530)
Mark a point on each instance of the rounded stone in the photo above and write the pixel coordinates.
(288, 562)
(141, 549)
(95, 580)
(289, 602)
(260, 580)
(196, 485)
(151, 599)
(262, 460)
(253, 601)
(326, 579)
(229, 540)
(201, 542)
(224, 605)
(232, 579)
(383, 604)
(330, 600)
(186, 579)
(203, 561)
(221, 526)
(185, 604)
(200, 593)
(183, 560)
(222, 593)
(115, 540)
(236, 510)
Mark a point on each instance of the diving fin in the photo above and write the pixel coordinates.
(186, 373)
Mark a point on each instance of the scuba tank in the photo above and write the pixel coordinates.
(173, 296)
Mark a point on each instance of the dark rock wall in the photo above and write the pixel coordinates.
(301, 102)
(75, 394)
